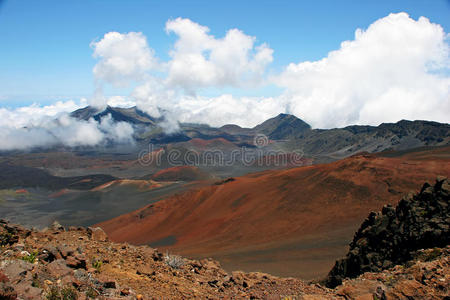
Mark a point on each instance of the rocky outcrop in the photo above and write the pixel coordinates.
(391, 237)
(82, 263)
(425, 277)
(75, 264)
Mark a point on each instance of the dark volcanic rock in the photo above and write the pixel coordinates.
(391, 237)
(283, 126)
(130, 115)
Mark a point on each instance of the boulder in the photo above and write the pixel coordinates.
(97, 234)
(77, 262)
(59, 268)
(56, 226)
(145, 270)
(106, 282)
(16, 270)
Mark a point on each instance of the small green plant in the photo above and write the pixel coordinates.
(30, 258)
(68, 293)
(35, 283)
(97, 264)
(53, 294)
(390, 280)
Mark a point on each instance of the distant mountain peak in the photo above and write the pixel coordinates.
(282, 116)
(283, 126)
(131, 115)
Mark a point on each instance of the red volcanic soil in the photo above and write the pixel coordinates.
(283, 160)
(59, 193)
(182, 173)
(293, 222)
(22, 191)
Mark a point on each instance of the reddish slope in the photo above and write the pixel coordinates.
(181, 173)
(289, 222)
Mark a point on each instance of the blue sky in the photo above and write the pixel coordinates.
(45, 52)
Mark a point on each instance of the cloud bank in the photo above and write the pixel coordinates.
(388, 72)
(397, 68)
(47, 126)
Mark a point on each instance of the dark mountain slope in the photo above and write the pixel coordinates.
(289, 133)
(130, 115)
(282, 126)
(342, 142)
(13, 176)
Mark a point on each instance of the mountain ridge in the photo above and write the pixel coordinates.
(291, 131)
(131, 115)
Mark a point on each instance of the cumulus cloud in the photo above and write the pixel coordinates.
(226, 109)
(201, 60)
(388, 72)
(154, 97)
(47, 126)
(123, 58)
(395, 69)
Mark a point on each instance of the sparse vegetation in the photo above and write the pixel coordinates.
(66, 293)
(53, 294)
(429, 255)
(35, 283)
(31, 258)
(97, 264)
(174, 261)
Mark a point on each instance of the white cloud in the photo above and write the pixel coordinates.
(123, 58)
(390, 71)
(385, 74)
(47, 126)
(119, 132)
(152, 96)
(71, 132)
(201, 60)
(120, 101)
(33, 114)
(226, 109)
(398, 68)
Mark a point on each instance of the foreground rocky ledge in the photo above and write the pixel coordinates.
(80, 263)
(83, 263)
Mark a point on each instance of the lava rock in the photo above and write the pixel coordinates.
(391, 237)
